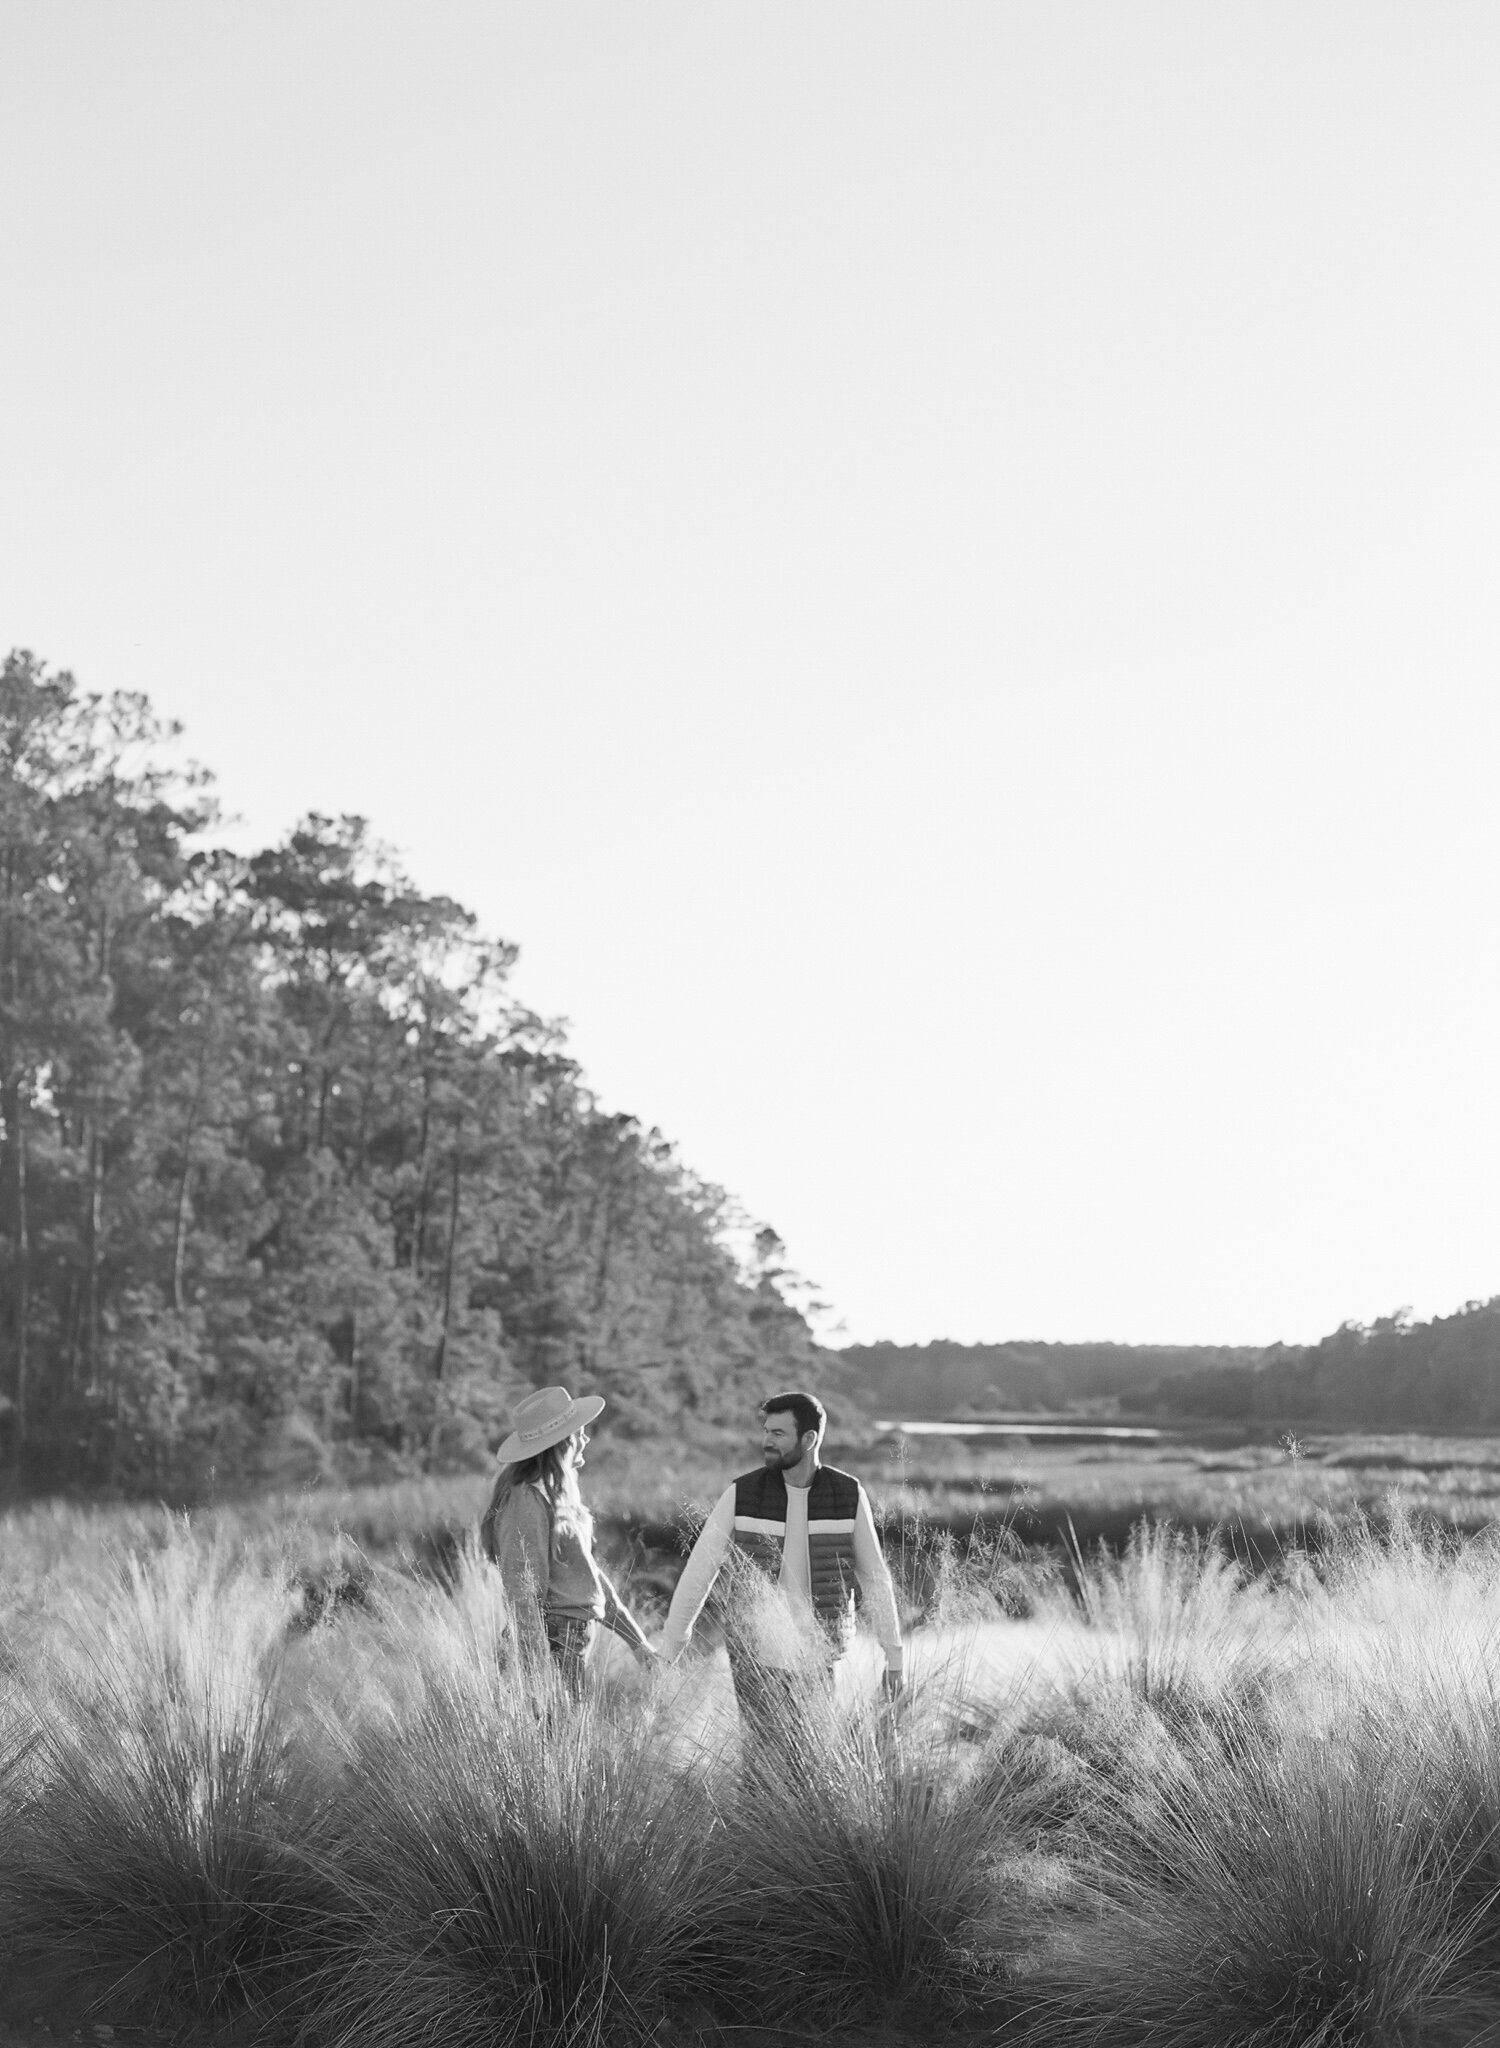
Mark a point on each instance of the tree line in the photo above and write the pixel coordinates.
(290, 1182)
(1394, 1373)
(947, 1379)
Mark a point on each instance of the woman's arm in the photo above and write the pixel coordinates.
(523, 1542)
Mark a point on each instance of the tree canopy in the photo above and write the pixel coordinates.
(290, 1183)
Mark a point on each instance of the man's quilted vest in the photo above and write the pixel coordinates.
(832, 1503)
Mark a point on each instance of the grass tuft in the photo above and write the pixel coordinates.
(1176, 1621)
(1278, 1891)
(146, 1871)
(507, 1866)
(865, 1872)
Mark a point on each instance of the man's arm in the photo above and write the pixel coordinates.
(620, 1621)
(704, 1564)
(874, 1576)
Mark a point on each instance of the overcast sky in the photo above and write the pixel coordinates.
(935, 566)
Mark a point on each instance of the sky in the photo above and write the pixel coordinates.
(935, 566)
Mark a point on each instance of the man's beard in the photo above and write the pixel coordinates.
(782, 1461)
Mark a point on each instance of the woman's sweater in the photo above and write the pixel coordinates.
(549, 1571)
(560, 1575)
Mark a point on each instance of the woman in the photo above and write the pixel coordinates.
(537, 1529)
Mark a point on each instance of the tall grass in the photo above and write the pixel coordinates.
(1173, 1806)
(869, 1873)
(510, 1869)
(1291, 1816)
(144, 1866)
(1177, 1621)
(1278, 1891)
(1411, 1635)
(504, 1866)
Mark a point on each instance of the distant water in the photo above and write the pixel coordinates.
(1080, 1432)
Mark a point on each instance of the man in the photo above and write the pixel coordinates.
(799, 1537)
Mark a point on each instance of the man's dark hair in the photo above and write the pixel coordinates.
(806, 1410)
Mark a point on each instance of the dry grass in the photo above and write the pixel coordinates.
(1173, 1804)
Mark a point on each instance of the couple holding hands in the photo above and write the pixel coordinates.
(796, 1539)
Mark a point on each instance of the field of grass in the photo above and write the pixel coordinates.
(1159, 1800)
(1260, 1494)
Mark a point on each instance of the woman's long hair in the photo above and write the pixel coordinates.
(559, 1483)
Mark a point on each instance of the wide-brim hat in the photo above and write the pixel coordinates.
(543, 1419)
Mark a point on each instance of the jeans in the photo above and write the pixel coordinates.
(780, 1709)
(568, 1639)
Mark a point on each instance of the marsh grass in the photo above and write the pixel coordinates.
(947, 1580)
(1410, 1633)
(145, 1867)
(867, 1874)
(509, 1868)
(1177, 1621)
(1173, 1805)
(1277, 1893)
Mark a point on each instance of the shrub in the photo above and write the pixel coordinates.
(1410, 1646)
(1175, 1621)
(1282, 1890)
(507, 1866)
(861, 1872)
(146, 1870)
